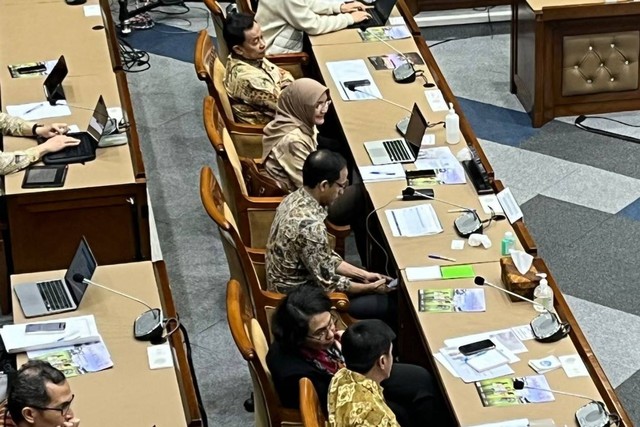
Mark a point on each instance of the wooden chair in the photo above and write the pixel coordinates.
(246, 6)
(247, 265)
(310, 409)
(253, 214)
(295, 63)
(246, 137)
(253, 346)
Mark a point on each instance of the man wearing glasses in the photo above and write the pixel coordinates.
(298, 249)
(40, 396)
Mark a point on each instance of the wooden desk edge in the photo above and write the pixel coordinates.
(528, 244)
(183, 374)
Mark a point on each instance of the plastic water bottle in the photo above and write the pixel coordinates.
(452, 126)
(508, 243)
(543, 294)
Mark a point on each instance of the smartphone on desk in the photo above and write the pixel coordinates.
(45, 328)
(476, 347)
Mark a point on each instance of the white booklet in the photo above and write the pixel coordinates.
(79, 330)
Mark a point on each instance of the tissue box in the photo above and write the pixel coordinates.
(516, 282)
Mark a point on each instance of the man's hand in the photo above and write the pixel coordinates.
(48, 131)
(380, 287)
(352, 6)
(374, 277)
(359, 16)
(57, 143)
(71, 422)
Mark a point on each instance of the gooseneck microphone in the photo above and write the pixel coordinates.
(480, 281)
(148, 326)
(403, 73)
(353, 87)
(465, 225)
(593, 414)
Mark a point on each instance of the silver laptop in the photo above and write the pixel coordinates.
(58, 294)
(400, 150)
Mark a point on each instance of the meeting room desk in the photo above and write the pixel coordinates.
(130, 393)
(434, 328)
(571, 57)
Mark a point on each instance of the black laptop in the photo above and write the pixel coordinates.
(379, 14)
(86, 150)
(53, 83)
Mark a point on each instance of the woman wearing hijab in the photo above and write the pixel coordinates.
(292, 135)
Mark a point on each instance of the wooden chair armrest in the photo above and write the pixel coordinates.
(247, 128)
(262, 203)
(340, 301)
(338, 230)
(257, 254)
(289, 58)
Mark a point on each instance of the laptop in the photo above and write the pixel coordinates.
(53, 83)
(58, 294)
(379, 14)
(400, 150)
(86, 150)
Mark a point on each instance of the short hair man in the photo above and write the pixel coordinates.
(298, 249)
(252, 82)
(355, 395)
(40, 396)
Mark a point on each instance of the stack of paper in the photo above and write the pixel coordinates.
(437, 300)
(456, 364)
(79, 330)
(420, 220)
(441, 159)
(76, 360)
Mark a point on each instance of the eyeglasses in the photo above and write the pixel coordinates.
(323, 106)
(322, 333)
(342, 185)
(63, 408)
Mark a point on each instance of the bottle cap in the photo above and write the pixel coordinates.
(451, 110)
(508, 234)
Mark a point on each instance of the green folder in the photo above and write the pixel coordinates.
(457, 271)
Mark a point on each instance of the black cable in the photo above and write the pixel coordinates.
(386, 255)
(578, 123)
(444, 41)
(612, 120)
(203, 413)
(132, 58)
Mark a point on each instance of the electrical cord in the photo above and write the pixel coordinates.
(386, 255)
(203, 413)
(133, 61)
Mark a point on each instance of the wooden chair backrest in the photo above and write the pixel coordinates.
(310, 409)
(218, 18)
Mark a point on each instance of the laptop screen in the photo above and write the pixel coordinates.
(416, 129)
(83, 263)
(55, 78)
(384, 8)
(99, 120)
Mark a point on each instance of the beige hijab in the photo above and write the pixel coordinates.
(296, 109)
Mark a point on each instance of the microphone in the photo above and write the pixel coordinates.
(402, 125)
(546, 327)
(404, 73)
(465, 225)
(148, 326)
(593, 414)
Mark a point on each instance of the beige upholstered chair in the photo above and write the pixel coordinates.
(310, 409)
(217, 16)
(246, 137)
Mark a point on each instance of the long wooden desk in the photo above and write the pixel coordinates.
(130, 391)
(422, 334)
(105, 199)
(561, 51)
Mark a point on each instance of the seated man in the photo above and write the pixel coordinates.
(298, 248)
(285, 22)
(15, 126)
(40, 396)
(355, 395)
(252, 82)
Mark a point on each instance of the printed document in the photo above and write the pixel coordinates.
(353, 71)
(420, 220)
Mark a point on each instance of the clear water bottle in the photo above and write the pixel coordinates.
(543, 295)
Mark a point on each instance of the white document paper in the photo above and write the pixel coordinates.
(413, 221)
(79, 330)
(457, 244)
(92, 10)
(509, 205)
(440, 159)
(487, 360)
(436, 100)
(353, 71)
(396, 20)
(523, 332)
(490, 203)
(493, 336)
(573, 366)
(39, 110)
(522, 422)
(382, 172)
(458, 362)
(160, 356)
(423, 273)
(444, 362)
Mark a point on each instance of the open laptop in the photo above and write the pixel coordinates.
(58, 294)
(86, 150)
(379, 14)
(53, 83)
(400, 150)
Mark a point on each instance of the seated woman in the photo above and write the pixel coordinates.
(12, 162)
(292, 135)
(307, 344)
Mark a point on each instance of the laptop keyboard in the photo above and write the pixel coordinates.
(396, 148)
(54, 295)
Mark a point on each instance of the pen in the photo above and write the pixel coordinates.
(434, 256)
(382, 173)
(32, 109)
(457, 210)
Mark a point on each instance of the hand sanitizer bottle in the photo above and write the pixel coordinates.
(452, 125)
(543, 294)
(508, 243)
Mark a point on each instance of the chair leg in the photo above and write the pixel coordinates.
(248, 404)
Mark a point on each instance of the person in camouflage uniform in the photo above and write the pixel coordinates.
(253, 83)
(15, 126)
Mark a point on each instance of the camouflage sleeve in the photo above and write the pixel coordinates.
(10, 125)
(285, 78)
(316, 255)
(257, 91)
(17, 160)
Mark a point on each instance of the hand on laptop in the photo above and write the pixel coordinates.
(57, 143)
(48, 131)
(352, 6)
(359, 16)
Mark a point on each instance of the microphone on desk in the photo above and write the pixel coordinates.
(465, 225)
(546, 327)
(593, 414)
(148, 326)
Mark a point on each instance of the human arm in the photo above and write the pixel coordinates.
(363, 282)
(292, 152)
(315, 16)
(17, 160)
(285, 78)
(18, 127)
